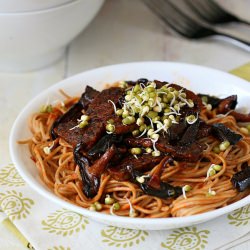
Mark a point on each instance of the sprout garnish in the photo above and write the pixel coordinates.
(47, 150)
(144, 103)
(132, 212)
(212, 170)
(185, 189)
(82, 122)
(211, 192)
(47, 108)
(141, 179)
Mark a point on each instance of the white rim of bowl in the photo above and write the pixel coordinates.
(41, 11)
(120, 219)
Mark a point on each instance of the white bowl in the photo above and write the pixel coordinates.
(196, 78)
(33, 40)
(29, 5)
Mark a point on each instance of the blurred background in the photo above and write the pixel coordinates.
(36, 34)
(126, 30)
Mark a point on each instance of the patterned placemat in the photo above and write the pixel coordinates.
(48, 226)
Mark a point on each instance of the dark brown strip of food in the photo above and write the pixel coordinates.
(143, 163)
(100, 110)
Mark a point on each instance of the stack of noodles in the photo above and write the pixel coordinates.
(143, 149)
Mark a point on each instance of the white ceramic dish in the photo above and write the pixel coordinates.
(14, 6)
(196, 78)
(32, 40)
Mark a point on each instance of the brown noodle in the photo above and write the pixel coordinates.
(60, 173)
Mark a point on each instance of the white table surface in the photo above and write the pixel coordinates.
(123, 31)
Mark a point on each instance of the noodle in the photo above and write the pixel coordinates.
(60, 173)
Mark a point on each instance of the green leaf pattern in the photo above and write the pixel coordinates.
(64, 222)
(187, 238)
(240, 217)
(15, 205)
(121, 237)
(10, 177)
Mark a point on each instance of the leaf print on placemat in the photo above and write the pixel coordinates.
(15, 205)
(64, 222)
(187, 238)
(240, 217)
(59, 248)
(10, 177)
(121, 237)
